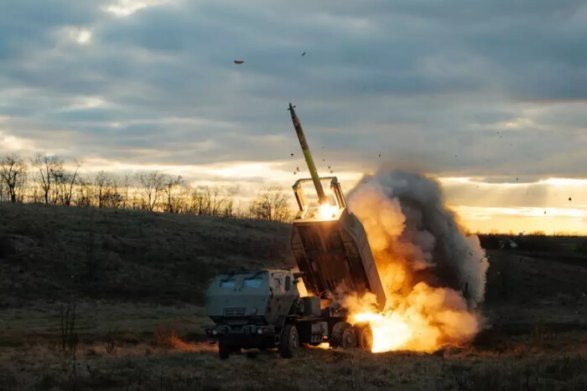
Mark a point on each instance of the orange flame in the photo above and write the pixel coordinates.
(425, 320)
(417, 315)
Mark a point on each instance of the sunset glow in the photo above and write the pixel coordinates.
(481, 206)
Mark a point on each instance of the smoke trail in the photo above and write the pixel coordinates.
(433, 274)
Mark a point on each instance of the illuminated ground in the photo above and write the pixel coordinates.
(131, 337)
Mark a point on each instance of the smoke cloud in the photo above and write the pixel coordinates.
(433, 273)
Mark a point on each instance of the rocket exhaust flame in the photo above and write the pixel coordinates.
(327, 211)
(433, 274)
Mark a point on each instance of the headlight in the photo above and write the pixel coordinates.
(214, 332)
(259, 331)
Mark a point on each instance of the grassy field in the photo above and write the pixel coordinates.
(137, 282)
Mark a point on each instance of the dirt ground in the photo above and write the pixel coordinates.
(535, 335)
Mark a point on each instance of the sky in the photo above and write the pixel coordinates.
(489, 97)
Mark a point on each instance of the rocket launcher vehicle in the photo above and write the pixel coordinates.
(328, 242)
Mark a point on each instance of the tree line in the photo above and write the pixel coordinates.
(47, 179)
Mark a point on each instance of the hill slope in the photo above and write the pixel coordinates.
(51, 252)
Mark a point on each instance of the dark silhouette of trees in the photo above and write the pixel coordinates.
(13, 175)
(48, 167)
(272, 204)
(152, 183)
(65, 182)
(60, 183)
(170, 185)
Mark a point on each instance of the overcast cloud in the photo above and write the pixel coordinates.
(452, 88)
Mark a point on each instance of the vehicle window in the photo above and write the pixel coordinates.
(287, 283)
(254, 282)
(227, 284)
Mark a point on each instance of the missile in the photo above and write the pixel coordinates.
(308, 155)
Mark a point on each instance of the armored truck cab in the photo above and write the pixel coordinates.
(250, 309)
(251, 297)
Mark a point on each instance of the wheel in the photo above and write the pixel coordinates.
(223, 350)
(365, 337)
(343, 336)
(289, 342)
(349, 338)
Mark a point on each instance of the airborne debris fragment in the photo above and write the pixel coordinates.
(238, 62)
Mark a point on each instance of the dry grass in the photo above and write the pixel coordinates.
(140, 322)
(151, 367)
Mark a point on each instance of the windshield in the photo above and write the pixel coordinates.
(230, 283)
(254, 282)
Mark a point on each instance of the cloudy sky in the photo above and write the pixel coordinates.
(487, 96)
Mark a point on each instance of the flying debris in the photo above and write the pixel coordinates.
(297, 169)
(291, 154)
(238, 62)
(379, 156)
(570, 199)
(303, 54)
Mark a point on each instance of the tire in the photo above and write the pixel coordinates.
(289, 342)
(343, 335)
(364, 337)
(223, 350)
(349, 338)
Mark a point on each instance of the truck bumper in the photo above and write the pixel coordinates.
(247, 336)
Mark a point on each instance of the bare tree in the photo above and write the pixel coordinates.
(101, 182)
(84, 194)
(200, 201)
(2, 191)
(13, 175)
(48, 167)
(153, 184)
(170, 184)
(126, 182)
(65, 182)
(271, 204)
(213, 201)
